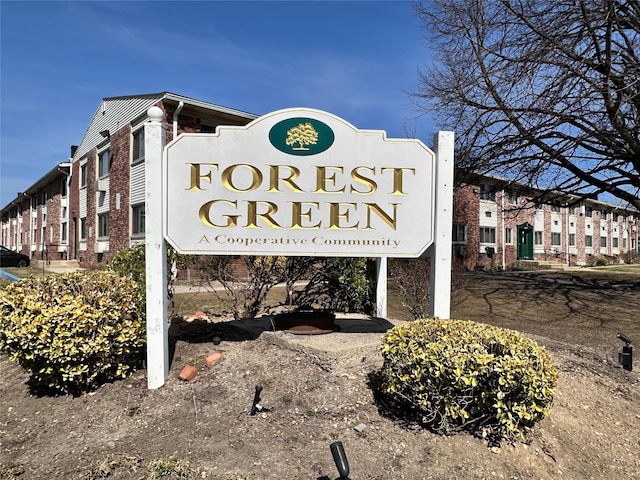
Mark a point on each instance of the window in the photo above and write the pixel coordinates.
(138, 146)
(487, 193)
(555, 208)
(103, 163)
(603, 242)
(603, 214)
(83, 228)
(555, 239)
(103, 225)
(83, 175)
(624, 243)
(487, 214)
(572, 239)
(572, 210)
(588, 211)
(588, 241)
(615, 242)
(487, 235)
(63, 232)
(63, 187)
(508, 239)
(512, 197)
(537, 238)
(138, 219)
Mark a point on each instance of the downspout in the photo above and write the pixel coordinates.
(68, 183)
(566, 234)
(174, 267)
(503, 229)
(30, 223)
(610, 234)
(175, 119)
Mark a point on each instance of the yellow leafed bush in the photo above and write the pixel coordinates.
(455, 374)
(73, 331)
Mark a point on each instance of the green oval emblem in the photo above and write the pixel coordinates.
(301, 136)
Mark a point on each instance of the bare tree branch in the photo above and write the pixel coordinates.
(545, 93)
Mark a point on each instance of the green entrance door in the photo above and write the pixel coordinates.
(525, 242)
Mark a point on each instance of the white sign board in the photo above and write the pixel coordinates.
(298, 182)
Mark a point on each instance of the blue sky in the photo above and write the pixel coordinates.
(355, 59)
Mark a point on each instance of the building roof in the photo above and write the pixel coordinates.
(543, 195)
(115, 112)
(60, 170)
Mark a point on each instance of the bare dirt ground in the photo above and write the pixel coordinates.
(203, 429)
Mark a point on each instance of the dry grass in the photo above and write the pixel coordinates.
(584, 307)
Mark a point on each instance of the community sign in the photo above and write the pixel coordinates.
(298, 182)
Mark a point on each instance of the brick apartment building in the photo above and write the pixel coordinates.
(497, 224)
(91, 205)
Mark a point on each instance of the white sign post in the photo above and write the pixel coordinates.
(440, 251)
(156, 253)
(296, 182)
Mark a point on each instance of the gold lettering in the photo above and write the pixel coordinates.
(205, 214)
(297, 214)
(375, 208)
(227, 178)
(335, 215)
(274, 178)
(252, 214)
(322, 179)
(358, 177)
(196, 175)
(397, 178)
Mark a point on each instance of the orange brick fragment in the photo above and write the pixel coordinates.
(188, 373)
(212, 359)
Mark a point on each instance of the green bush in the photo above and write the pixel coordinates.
(351, 284)
(602, 262)
(73, 331)
(340, 284)
(130, 262)
(453, 374)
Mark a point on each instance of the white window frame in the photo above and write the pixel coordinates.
(103, 228)
(101, 159)
(491, 232)
(83, 228)
(538, 238)
(83, 174)
(137, 140)
(135, 218)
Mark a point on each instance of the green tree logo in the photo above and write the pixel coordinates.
(303, 134)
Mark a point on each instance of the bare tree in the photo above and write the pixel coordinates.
(544, 93)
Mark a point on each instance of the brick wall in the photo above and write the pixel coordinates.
(74, 211)
(119, 176)
(88, 258)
